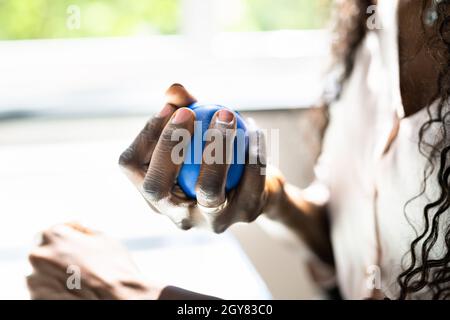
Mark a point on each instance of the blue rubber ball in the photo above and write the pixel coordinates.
(190, 170)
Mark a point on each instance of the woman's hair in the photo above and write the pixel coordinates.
(422, 272)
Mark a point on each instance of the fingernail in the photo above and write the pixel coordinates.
(225, 116)
(168, 109)
(182, 115)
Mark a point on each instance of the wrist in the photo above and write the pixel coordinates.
(274, 192)
(305, 212)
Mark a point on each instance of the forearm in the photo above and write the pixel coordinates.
(305, 213)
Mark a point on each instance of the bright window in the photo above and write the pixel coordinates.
(49, 19)
(118, 56)
(269, 15)
(42, 19)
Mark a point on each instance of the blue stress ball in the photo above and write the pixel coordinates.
(190, 170)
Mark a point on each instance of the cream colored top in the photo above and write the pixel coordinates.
(369, 188)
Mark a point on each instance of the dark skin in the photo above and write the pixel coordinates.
(148, 166)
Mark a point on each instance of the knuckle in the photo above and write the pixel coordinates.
(43, 238)
(168, 136)
(126, 158)
(219, 228)
(184, 224)
(212, 177)
(48, 234)
(168, 140)
(30, 280)
(35, 257)
(152, 191)
(209, 189)
(152, 129)
(252, 216)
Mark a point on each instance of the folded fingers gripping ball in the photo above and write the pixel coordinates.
(190, 170)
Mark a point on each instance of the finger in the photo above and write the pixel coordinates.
(57, 284)
(168, 156)
(43, 286)
(48, 265)
(43, 238)
(44, 263)
(80, 228)
(135, 159)
(45, 292)
(55, 233)
(66, 230)
(254, 177)
(217, 157)
(247, 201)
(178, 96)
(42, 258)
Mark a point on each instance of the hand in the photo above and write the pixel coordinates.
(148, 164)
(73, 262)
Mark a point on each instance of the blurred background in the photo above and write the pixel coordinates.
(79, 78)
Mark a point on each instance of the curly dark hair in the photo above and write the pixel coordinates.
(422, 273)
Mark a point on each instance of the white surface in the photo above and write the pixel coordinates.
(41, 185)
(129, 75)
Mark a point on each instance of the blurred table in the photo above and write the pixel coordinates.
(44, 183)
